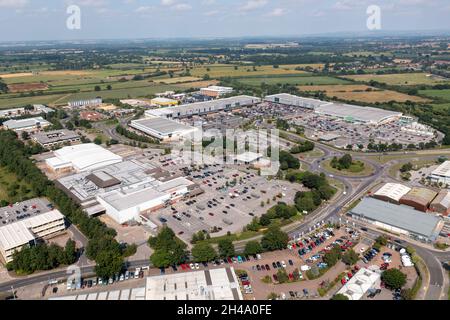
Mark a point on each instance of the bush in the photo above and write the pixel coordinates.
(252, 247)
(394, 278)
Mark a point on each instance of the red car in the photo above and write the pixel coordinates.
(384, 266)
(349, 275)
(343, 281)
(245, 283)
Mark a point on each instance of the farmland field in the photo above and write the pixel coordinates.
(439, 94)
(399, 79)
(219, 71)
(299, 80)
(360, 93)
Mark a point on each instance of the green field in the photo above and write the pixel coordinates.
(357, 169)
(399, 78)
(299, 80)
(12, 190)
(438, 94)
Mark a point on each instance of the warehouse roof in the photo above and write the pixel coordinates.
(160, 126)
(26, 123)
(443, 170)
(398, 216)
(443, 198)
(55, 136)
(290, 99)
(358, 113)
(204, 107)
(393, 191)
(86, 157)
(421, 196)
(216, 284)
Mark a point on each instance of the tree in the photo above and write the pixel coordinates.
(70, 252)
(108, 264)
(333, 256)
(282, 276)
(274, 239)
(394, 278)
(169, 250)
(97, 88)
(98, 140)
(203, 252)
(407, 294)
(350, 257)
(25, 135)
(109, 87)
(252, 247)
(340, 296)
(226, 248)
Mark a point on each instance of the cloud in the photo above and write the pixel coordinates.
(167, 3)
(182, 7)
(15, 4)
(253, 4)
(277, 12)
(145, 9)
(211, 13)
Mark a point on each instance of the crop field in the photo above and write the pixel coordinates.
(399, 79)
(293, 80)
(362, 93)
(439, 94)
(219, 71)
(177, 80)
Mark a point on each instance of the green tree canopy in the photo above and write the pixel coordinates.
(394, 278)
(203, 252)
(274, 239)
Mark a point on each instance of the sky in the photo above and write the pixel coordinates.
(22, 20)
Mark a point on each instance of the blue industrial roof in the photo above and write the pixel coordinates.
(399, 216)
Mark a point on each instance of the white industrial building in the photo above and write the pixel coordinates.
(248, 157)
(23, 229)
(82, 157)
(347, 112)
(351, 113)
(214, 284)
(441, 174)
(216, 91)
(162, 128)
(360, 283)
(16, 112)
(217, 284)
(85, 103)
(201, 108)
(28, 125)
(292, 100)
(55, 138)
(127, 204)
(392, 192)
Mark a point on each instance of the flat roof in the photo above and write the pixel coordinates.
(87, 156)
(293, 100)
(216, 284)
(134, 196)
(25, 123)
(399, 216)
(205, 106)
(55, 136)
(160, 126)
(18, 233)
(364, 114)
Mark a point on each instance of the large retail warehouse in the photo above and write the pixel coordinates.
(398, 219)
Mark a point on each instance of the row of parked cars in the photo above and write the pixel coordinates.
(275, 265)
(369, 255)
(307, 244)
(246, 284)
(92, 282)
